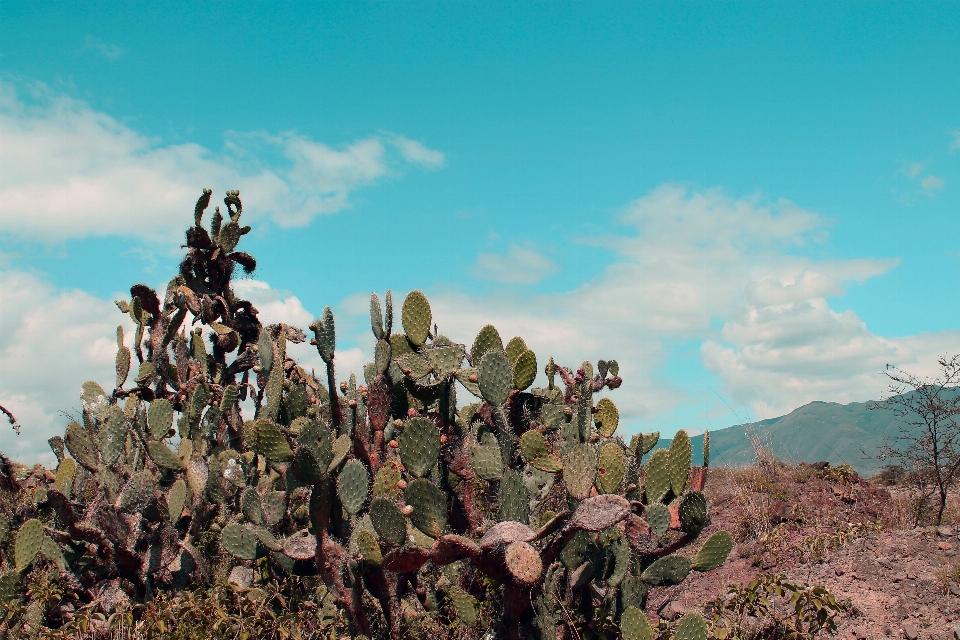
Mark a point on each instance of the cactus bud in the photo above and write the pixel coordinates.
(401, 484)
(473, 378)
(394, 444)
(343, 386)
(353, 404)
(443, 439)
(398, 423)
(407, 511)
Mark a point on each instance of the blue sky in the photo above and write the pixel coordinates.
(751, 204)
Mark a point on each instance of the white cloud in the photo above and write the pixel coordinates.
(955, 145)
(107, 50)
(914, 169)
(67, 170)
(50, 343)
(930, 184)
(416, 152)
(520, 265)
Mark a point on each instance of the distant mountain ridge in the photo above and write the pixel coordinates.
(838, 433)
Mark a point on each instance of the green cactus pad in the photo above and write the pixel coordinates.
(610, 467)
(513, 499)
(66, 472)
(706, 449)
(386, 479)
(353, 485)
(580, 470)
(325, 335)
(382, 355)
(634, 625)
(29, 538)
(496, 377)
(463, 377)
(693, 513)
(9, 586)
(270, 442)
(266, 538)
(265, 348)
(533, 445)
(515, 348)
(413, 365)
(633, 592)
(524, 370)
(81, 446)
(163, 457)
(658, 517)
(176, 500)
(138, 492)
(658, 476)
(388, 521)
(340, 448)
(250, 506)
(416, 317)
(229, 398)
(692, 626)
(274, 504)
(91, 392)
(376, 317)
(445, 360)
(369, 548)
(239, 541)
(714, 552)
(680, 457)
(429, 507)
(575, 551)
(419, 446)
(485, 457)
(607, 417)
(621, 561)
(51, 551)
(305, 466)
(466, 606)
(647, 442)
(487, 340)
(549, 463)
(112, 435)
(667, 571)
(399, 345)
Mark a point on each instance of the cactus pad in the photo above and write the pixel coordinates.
(353, 484)
(485, 457)
(714, 552)
(610, 467)
(464, 376)
(137, 493)
(523, 562)
(414, 366)
(680, 456)
(667, 571)
(600, 512)
(270, 442)
(533, 445)
(524, 370)
(176, 500)
(300, 546)
(634, 625)
(29, 538)
(239, 541)
(487, 340)
(51, 551)
(692, 626)
(81, 447)
(429, 507)
(163, 457)
(515, 348)
(419, 446)
(647, 442)
(445, 360)
(250, 506)
(112, 435)
(325, 335)
(160, 418)
(376, 317)
(579, 471)
(388, 521)
(386, 479)
(513, 499)
(305, 466)
(496, 377)
(549, 463)
(658, 517)
(416, 317)
(607, 417)
(66, 472)
(369, 548)
(706, 449)
(693, 513)
(339, 450)
(466, 606)
(658, 476)
(9, 586)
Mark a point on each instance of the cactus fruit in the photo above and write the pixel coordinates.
(634, 625)
(607, 417)
(353, 485)
(239, 541)
(714, 552)
(29, 538)
(419, 446)
(416, 317)
(680, 456)
(610, 468)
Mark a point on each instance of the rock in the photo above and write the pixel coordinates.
(671, 611)
(910, 631)
(955, 590)
(945, 531)
(241, 577)
(838, 571)
(956, 633)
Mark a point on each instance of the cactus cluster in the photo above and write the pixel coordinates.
(392, 491)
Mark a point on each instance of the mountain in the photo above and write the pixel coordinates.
(838, 433)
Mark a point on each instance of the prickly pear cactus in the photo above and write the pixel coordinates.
(521, 514)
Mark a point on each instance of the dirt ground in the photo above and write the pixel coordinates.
(824, 526)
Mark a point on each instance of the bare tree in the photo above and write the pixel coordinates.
(929, 440)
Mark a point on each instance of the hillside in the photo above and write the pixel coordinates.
(838, 433)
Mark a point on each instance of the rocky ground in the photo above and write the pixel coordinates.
(823, 526)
